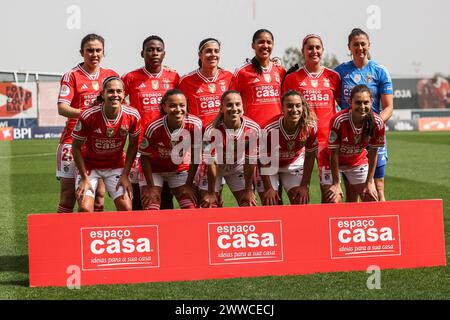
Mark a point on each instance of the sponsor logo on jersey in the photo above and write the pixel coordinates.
(345, 139)
(256, 80)
(95, 85)
(78, 126)
(65, 91)
(155, 84)
(370, 236)
(347, 76)
(326, 82)
(84, 87)
(141, 86)
(121, 247)
(303, 84)
(245, 242)
(314, 83)
(333, 136)
(267, 77)
(110, 132)
(199, 91)
(212, 87)
(98, 130)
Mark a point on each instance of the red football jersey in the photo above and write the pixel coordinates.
(351, 141)
(158, 142)
(248, 134)
(79, 89)
(146, 90)
(320, 90)
(105, 138)
(203, 95)
(260, 93)
(291, 145)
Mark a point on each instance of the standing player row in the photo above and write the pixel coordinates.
(260, 83)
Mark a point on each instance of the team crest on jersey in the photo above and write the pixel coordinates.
(165, 83)
(212, 87)
(144, 143)
(333, 136)
(267, 77)
(357, 77)
(277, 78)
(326, 83)
(78, 126)
(314, 83)
(95, 85)
(369, 78)
(123, 131)
(109, 132)
(357, 139)
(222, 85)
(290, 145)
(155, 84)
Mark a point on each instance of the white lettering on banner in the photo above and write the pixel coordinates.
(22, 133)
(129, 247)
(364, 236)
(402, 93)
(245, 242)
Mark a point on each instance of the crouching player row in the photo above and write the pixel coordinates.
(233, 149)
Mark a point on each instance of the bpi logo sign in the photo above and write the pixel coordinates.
(245, 242)
(372, 236)
(125, 247)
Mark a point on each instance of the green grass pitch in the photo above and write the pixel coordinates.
(418, 168)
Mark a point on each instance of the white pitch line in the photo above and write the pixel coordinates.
(27, 155)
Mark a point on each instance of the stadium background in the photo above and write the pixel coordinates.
(419, 160)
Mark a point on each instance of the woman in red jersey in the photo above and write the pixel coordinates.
(79, 88)
(104, 130)
(145, 87)
(352, 130)
(230, 152)
(295, 136)
(259, 81)
(170, 151)
(322, 89)
(204, 87)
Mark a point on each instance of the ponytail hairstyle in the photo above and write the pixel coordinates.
(308, 117)
(255, 63)
(202, 45)
(369, 124)
(358, 32)
(166, 96)
(219, 118)
(99, 100)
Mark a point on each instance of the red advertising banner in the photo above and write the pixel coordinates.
(196, 244)
(18, 101)
(434, 124)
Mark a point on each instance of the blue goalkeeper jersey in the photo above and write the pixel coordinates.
(373, 75)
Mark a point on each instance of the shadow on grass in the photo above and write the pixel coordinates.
(14, 263)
